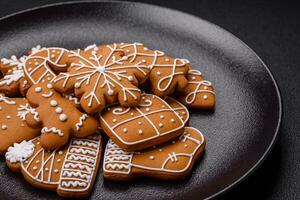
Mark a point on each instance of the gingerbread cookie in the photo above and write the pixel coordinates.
(58, 117)
(70, 170)
(167, 74)
(13, 82)
(101, 75)
(180, 109)
(39, 65)
(168, 161)
(13, 128)
(199, 93)
(150, 123)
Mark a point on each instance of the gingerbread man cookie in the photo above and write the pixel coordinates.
(167, 74)
(101, 75)
(70, 170)
(199, 93)
(13, 128)
(13, 82)
(150, 123)
(58, 117)
(168, 161)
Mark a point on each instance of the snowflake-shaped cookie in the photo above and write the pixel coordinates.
(101, 75)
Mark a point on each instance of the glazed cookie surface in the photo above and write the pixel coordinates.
(70, 170)
(167, 74)
(199, 93)
(13, 128)
(150, 123)
(101, 75)
(168, 161)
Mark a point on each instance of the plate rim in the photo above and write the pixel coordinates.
(280, 104)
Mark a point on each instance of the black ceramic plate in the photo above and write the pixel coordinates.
(240, 132)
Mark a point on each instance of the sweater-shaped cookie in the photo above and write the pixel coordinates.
(150, 123)
(70, 171)
(58, 116)
(168, 161)
(199, 93)
(40, 64)
(101, 75)
(13, 81)
(167, 74)
(13, 128)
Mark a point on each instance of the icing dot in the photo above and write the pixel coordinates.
(58, 160)
(114, 120)
(143, 97)
(193, 77)
(56, 171)
(125, 130)
(63, 117)
(53, 103)
(38, 89)
(125, 57)
(36, 63)
(60, 153)
(29, 69)
(158, 73)
(131, 113)
(163, 106)
(49, 85)
(143, 60)
(172, 120)
(127, 50)
(58, 110)
(43, 80)
(29, 63)
(185, 146)
(160, 150)
(38, 143)
(47, 169)
(160, 125)
(145, 48)
(37, 161)
(4, 127)
(0, 108)
(110, 92)
(173, 142)
(181, 117)
(77, 85)
(161, 116)
(140, 132)
(8, 117)
(34, 168)
(48, 75)
(205, 97)
(52, 56)
(122, 43)
(48, 78)
(167, 59)
(183, 112)
(53, 51)
(22, 125)
(130, 78)
(205, 87)
(147, 109)
(140, 123)
(26, 161)
(151, 157)
(108, 108)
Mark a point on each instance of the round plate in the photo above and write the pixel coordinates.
(240, 132)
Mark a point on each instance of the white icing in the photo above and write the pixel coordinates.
(37, 89)
(79, 124)
(63, 117)
(6, 100)
(53, 103)
(58, 110)
(23, 110)
(53, 129)
(19, 152)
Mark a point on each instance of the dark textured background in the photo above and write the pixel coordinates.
(272, 29)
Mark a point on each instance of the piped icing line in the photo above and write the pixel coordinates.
(114, 163)
(15, 76)
(73, 98)
(106, 74)
(85, 143)
(81, 158)
(52, 129)
(81, 120)
(69, 184)
(23, 110)
(6, 100)
(145, 115)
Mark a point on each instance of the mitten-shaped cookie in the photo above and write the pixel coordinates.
(167, 74)
(168, 161)
(150, 123)
(58, 116)
(101, 75)
(41, 62)
(70, 170)
(13, 81)
(199, 93)
(13, 128)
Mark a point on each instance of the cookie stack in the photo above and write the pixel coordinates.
(56, 104)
